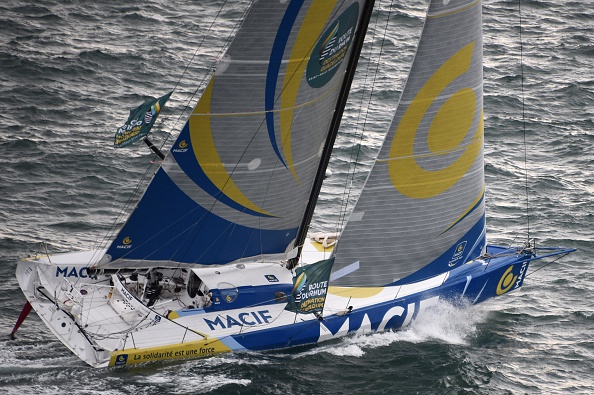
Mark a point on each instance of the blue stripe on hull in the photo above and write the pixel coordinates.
(486, 281)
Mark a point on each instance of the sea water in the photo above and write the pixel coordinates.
(69, 73)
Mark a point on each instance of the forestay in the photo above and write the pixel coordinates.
(422, 209)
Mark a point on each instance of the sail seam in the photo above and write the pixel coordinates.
(471, 208)
(461, 147)
(260, 112)
(389, 187)
(477, 89)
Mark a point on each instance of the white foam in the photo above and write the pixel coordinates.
(349, 350)
(442, 322)
(206, 383)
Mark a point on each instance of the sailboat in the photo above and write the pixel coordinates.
(216, 257)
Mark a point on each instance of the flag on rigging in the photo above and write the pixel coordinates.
(140, 121)
(310, 286)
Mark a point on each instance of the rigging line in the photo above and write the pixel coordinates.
(99, 245)
(226, 45)
(524, 123)
(542, 267)
(112, 231)
(347, 188)
(125, 208)
(187, 103)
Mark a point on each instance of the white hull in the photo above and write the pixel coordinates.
(98, 318)
(114, 319)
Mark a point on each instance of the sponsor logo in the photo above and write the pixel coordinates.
(79, 272)
(125, 293)
(241, 319)
(509, 281)
(126, 243)
(133, 126)
(506, 282)
(181, 147)
(271, 278)
(121, 359)
(299, 286)
(458, 253)
(521, 276)
(332, 48)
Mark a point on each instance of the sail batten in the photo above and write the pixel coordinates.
(259, 113)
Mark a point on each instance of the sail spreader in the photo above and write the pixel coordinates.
(154, 148)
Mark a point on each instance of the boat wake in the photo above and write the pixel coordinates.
(445, 323)
(442, 322)
(206, 383)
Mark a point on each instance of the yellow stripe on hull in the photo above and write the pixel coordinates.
(191, 349)
(355, 292)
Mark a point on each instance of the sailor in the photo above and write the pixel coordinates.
(203, 300)
(207, 299)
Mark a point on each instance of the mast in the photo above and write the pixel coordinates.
(334, 126)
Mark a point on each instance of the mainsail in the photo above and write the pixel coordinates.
(238, 178)
(422, 209)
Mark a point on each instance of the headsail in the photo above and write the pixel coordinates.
(422, 210)
(236, 182)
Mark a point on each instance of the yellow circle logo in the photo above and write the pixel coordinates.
(445, 135)
(127, 241)
(506, 282)
(183, 144)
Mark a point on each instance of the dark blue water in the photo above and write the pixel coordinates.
(71, 70)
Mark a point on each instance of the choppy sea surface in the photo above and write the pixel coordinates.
(71, 70)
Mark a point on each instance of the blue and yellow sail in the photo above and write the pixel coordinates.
(422, 210)
(237, 179)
